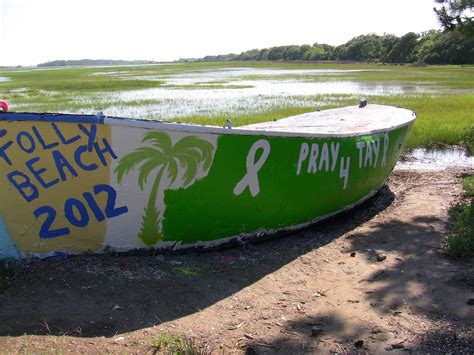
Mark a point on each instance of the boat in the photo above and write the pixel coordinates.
(77, 184)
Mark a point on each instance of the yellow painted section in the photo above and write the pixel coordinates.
(18, 214)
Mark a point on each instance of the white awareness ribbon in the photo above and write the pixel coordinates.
(251, 178)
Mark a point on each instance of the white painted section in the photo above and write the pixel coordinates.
(250, 179)
(344, 170)
(346, 120)
(303, 155)
(342, 122)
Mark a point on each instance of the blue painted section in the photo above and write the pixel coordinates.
(7, 248)
(51, 117)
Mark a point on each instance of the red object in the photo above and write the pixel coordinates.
(3, 106)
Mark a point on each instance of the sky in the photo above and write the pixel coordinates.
(37, 31)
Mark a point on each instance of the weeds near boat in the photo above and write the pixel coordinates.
(460, 242)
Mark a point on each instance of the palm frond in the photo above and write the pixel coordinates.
(193, 153)
(131, 160)
(190, 166)
(193, 143)
(173, 169)
(160, 140)
(148, 167)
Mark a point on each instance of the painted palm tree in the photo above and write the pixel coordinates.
(190, 154)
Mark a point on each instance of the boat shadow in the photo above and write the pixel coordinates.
(91, 296)
(422, 282)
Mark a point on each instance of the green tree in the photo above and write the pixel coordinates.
(364, 47)
(252, 54)
(319, 52)
(450, 47)
(456, 14)
(277, 53)
(293, 53)
(388, 41)
(425, 45)
(303, 50)
(402, 51)
(315, 53)
(191, 153)
(263, 55)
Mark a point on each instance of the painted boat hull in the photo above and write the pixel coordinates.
(80, 184)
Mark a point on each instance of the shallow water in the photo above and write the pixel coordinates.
(245, 72)
(3, 78)
(244, 91)
(117, 72)
(272, 72)
(237, 96)
(421, 159)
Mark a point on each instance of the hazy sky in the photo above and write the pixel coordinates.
(36, 31)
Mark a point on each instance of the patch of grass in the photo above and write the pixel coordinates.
(460, 242)
(242, 120)
(173, 344)
(319, 102)
(26, 344)
(64, 80)
(440, 119)
(468, 140)
(468, 183)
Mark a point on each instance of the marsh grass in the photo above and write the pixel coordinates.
(468, 140)
(243, 120)
(468, 183)
(444, 97)
(443, 119)
(173, 344)
(460, 242)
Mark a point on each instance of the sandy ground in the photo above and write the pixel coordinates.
(374, 279)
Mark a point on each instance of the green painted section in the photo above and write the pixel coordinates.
(209, 209)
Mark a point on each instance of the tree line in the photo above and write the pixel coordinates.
(92, 62)
(431, 47)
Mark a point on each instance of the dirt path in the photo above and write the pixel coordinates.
(373, 279)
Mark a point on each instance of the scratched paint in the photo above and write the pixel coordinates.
(84, 186)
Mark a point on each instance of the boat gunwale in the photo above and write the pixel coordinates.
(185, 127)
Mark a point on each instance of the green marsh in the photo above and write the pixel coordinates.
(249, 92)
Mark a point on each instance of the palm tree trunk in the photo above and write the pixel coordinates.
(154, 188)
(150, 232)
